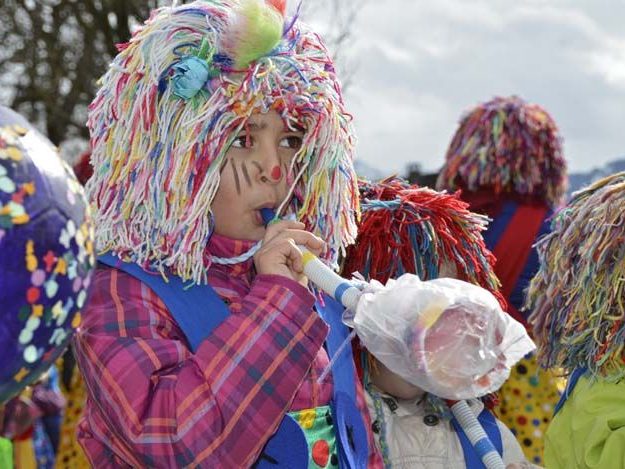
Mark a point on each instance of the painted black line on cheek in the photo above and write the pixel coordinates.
(246, 174)
(236, 176)
(223, 165)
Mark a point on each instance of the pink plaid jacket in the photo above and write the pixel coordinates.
(154, 403)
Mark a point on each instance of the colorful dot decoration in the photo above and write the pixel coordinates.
(321, 453)
(526, 404)
(307, 418)
(46, 253)
(70, 454)
(318, 427)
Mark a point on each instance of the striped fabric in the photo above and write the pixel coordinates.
(152, 403)
(517, 223)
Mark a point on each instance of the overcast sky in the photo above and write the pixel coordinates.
(421, 63)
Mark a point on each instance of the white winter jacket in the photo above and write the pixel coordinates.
(418, 440)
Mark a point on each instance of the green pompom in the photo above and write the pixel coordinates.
(254, 32)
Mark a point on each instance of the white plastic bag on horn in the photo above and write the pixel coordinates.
(447, 336)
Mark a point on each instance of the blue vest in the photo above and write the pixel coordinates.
(287, 448)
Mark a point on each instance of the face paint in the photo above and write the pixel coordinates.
(276, 173)
(223, 165)
(235, 173)
(246, 175)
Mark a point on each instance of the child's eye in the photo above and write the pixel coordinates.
(294, 142)
(242, 141)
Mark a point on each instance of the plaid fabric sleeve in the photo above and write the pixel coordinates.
(160, 405)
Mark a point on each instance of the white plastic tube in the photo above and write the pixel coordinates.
(477, 436)
(333, 284)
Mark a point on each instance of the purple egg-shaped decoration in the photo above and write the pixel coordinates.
(46, 254)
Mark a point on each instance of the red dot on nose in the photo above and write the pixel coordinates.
(276, 173)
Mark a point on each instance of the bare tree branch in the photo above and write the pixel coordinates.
(54, 51)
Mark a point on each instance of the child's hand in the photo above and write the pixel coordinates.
(279, 254)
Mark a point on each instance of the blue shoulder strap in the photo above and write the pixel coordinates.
(331, 311)
(351, 432)
(570, 385)
(197, 309)
(489, 423)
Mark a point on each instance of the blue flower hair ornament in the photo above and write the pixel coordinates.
(192, 73)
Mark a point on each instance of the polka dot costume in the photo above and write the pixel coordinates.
(527, 402)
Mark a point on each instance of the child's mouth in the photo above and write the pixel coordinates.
(264, 215)
(258, 218)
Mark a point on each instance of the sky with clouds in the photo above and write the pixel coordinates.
(421, 63)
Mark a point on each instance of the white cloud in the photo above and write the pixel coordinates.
(422, 63)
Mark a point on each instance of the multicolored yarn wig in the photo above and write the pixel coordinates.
(407, 229)
(577, 295)
(507, 145)
(169, 107)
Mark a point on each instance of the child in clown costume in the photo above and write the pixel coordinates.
(202, 346)
(406, 229)
(579, 324)
(506, 158)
